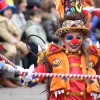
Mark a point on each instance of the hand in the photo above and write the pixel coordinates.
(18, 38)
(15, 41)
(27, 79)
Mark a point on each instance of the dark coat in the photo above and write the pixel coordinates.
(50, 28)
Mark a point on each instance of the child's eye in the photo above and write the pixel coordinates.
(70, 37)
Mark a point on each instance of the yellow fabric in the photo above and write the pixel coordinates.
(10, 2)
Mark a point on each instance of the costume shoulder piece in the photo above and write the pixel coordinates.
(94, 50)
(53, 49)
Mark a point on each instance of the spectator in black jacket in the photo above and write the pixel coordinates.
(49, 20)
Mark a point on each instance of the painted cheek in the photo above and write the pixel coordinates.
(68, 44)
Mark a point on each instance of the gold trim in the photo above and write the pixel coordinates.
(72, 55)
(76, 79)
(75, 93)
(41, 56)
(74, 28)
(84, 91)
(25, 85)
(75, 64)
(59, 32)
(35, 80)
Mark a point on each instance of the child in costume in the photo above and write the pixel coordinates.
(9, 32)
(73, 57)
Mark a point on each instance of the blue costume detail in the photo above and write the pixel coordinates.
(2, 64)
(30, 84)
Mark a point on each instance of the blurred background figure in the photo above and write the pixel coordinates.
(8, 32)
(20, 21)
(13, 48)
(93, 21)
(33, 27)
(19, 18)
(31, 4)
(50, 16)
(97, 28)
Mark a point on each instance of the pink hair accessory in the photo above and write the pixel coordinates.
(35, 8)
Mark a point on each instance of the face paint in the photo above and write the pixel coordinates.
(73, 41)
(69, 37)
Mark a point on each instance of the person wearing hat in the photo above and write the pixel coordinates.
(72, 57)
(10, 38)
(9, 32)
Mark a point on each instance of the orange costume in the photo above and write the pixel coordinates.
(75, 89)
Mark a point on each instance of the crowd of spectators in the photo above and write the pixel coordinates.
(18, 20)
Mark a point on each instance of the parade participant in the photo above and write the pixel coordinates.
(73, 57)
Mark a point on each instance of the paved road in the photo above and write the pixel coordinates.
(21, 93)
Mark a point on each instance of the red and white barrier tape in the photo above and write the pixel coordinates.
(7, 61)
(65, 75)
(54, 74)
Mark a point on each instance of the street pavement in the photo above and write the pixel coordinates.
(22, 93)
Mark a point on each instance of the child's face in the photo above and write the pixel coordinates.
(8, 13)
(37, 18)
